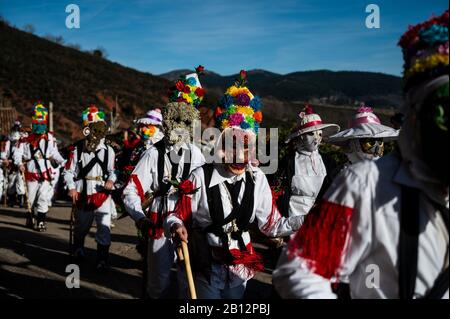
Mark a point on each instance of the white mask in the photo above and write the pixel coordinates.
(309, 141)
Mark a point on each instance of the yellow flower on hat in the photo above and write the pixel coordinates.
(225, 124)
(245, 110)
(188, 98)
(232, 90)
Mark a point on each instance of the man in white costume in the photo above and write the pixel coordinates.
(220, 200)
(387, 218)
(89, 177)
(170, 160)
(33, 158)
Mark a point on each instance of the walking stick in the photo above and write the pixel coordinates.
(72, 217)
(145, 267)
(183, 255)
(5, 185)
(30, 221)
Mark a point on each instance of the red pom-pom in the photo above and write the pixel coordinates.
(308, 109)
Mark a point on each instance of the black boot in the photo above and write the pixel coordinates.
(21, 200)
(11, 200)
(78, 250)
(30, 220)
(40, 222)
(102, 257)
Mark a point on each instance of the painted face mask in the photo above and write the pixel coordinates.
(309, 141)
(433, 132)
(148, 131)
(94, 134)
(364, 149)
(39, 128)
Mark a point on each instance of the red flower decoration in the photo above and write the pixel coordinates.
(243, 74)
(187, 89)
(186, 187)
(199, 69)
(218, 112)
(200, 92)
(179, 85)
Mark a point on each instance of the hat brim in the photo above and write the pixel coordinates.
(327, 130)
(369, 130)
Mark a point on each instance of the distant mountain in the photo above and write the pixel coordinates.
(33, 68)
(321, 86)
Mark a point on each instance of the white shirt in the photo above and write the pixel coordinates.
(93, 186)
(372, 189)
(262, 213)
(307, 181)
(24, 154)
(147, 172)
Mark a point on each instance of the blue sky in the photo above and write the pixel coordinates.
(225, 36)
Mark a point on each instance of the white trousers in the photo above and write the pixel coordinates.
(102, 216)
(39, 195)
(16, 184)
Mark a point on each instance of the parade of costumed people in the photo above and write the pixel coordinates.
(221, 199)
(89, 176)
(34, 161)
(151, 193)
(302, 172)
(366, 137)
(393, 212)
(15, 184)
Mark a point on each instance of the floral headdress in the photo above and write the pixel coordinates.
(188, 89)
(425, 50)
(239, 108)
(92, 115)
(40, 114)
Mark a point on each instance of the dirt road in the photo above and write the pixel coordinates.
(33, 264)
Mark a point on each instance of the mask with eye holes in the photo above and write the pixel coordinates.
(179, 118)
(94, 133)
(309, 141)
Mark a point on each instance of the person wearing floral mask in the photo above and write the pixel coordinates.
(34, 159)
(382, 227)
(220, 200)
(365, 139)
(150, 194)
(303, 171)
(89, 176)
(15, 182)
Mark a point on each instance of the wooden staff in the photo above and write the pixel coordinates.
(5, 185)
(183, 255)
(72, 218)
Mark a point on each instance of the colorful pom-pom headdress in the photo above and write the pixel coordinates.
(92, 115)
(425, 51)
(239, 108)
(40, 114)
(308, 121)
(188, 89)
(365, 124)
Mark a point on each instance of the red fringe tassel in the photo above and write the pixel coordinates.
(322, 238)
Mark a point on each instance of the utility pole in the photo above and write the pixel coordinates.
(50, 116)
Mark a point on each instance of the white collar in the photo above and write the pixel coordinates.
(176, 148)
(220, 175)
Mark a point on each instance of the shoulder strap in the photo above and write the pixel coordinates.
(409, 245)
(409, 241)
